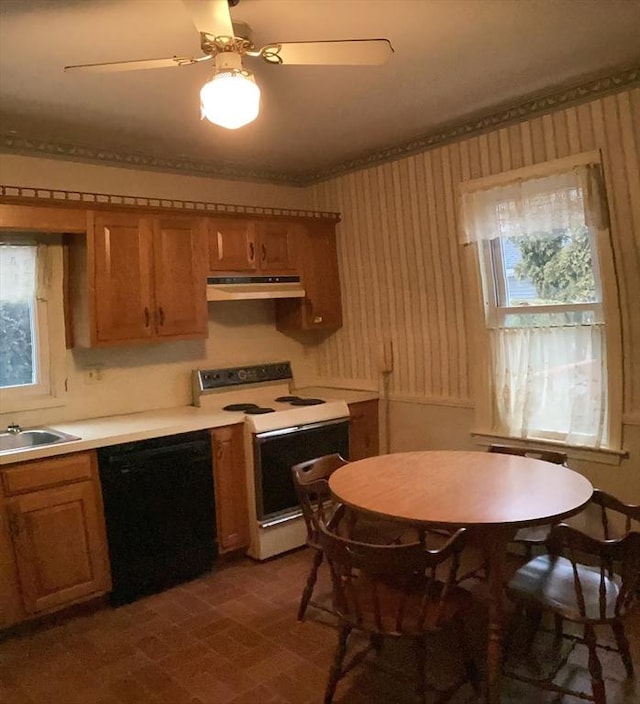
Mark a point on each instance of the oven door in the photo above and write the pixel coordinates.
(276, 451)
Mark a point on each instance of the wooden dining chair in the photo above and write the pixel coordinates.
(531, 536)
(587, 580)
(311, 481)
(397, 591)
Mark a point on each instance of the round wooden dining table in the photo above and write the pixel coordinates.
(492, 494)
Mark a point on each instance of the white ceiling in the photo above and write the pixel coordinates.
(453, 58)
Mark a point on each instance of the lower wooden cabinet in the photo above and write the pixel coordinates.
(55, 521)
(230, 483)
(363, 430)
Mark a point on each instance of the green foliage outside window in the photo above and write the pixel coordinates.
(559, 266)
(16, 344)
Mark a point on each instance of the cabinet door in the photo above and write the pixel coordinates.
(180, 286)
(119, 255)
(231, 488)
(275, 248)
(11, 607)
(317, 259)
(322, 282)
(59, 546)
(232, 245)
(363, 430)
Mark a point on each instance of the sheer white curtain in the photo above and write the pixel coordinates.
(546, 381)
(535, 205)
(550, 382)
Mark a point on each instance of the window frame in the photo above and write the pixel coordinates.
(493, 274)
(486, 317)
(48, 334)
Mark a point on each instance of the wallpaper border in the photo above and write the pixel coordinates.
(539, 103)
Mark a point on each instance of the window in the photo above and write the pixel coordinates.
(538, 241)
(31, 323)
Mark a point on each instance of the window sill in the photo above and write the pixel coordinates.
(13, 403)
(589, 454)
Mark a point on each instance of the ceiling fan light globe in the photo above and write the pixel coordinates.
(231, 99)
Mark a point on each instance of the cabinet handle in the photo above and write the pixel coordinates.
(317, 319)
(147, 318)
(220, 247)
(252, 252)
(264, 253)
(161, 315)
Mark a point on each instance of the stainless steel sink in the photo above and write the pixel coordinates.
(35, 437)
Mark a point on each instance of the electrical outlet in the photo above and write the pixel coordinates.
(94, 375)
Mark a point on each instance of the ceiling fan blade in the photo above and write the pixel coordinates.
(210, 16)
(118, 66)
(349, 52)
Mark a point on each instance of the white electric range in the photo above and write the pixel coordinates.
(280, 430)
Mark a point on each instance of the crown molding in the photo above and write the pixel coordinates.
(526, 108)
(34, 195)
(29, 146)
(553, 99)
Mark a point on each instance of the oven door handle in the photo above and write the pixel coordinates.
(298, 428)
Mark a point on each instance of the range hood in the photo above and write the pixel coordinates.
(235, 288)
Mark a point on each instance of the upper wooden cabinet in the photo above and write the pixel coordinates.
(43, 219)
(139, 278)
(317, 261)
(261, 247)
(179, 280)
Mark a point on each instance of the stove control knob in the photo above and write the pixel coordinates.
(242, 374)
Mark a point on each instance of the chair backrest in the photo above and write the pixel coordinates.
(599, 595)
(546, 455)
(393, 589)
(311, 481)
(617, 519)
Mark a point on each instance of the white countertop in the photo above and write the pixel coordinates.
(113, 430)
(330, 392)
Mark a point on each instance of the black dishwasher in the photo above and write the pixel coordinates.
(159, 510)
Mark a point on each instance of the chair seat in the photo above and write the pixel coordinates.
(533, 534)
(549, 581)
(379, 531)
(386, 608)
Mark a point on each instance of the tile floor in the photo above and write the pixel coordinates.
(231, 637)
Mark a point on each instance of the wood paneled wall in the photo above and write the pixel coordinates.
(406, 278)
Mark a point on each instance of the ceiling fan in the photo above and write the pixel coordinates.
(231, 98)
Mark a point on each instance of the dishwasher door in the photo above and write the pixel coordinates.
(159, 510)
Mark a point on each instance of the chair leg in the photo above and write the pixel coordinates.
(595, 668)
(421, 670)
(470, 667)
(534, 618)
(311, 581)
(376, 642)
(335, 673)
(623, 646)
(557, 622)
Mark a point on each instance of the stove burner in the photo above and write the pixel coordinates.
(287, 399)
(239, 407)
(256, 410)
(306, 401)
